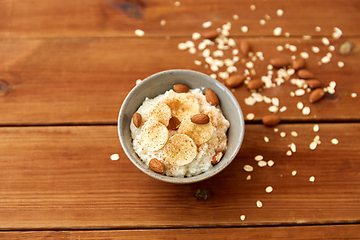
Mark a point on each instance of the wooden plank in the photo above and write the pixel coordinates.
(63, 178)
(299, 232)
(60, 81)
(114, 18)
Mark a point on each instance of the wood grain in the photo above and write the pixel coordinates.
(119, 18)
(298, 232)
(61, 81)
(63, 178)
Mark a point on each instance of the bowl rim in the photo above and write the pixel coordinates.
(185, 180)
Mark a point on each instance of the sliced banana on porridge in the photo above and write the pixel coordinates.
(154, 135)
(200, 133)
(161, 113)
(180, 150)
(182, 104)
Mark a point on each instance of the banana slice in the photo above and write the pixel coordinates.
(200, 133)
(161, 113)
(154, 135)
(180, 150)
(182, 104)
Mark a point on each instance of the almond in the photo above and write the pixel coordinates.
(313, 83)
(156, 165)
(181, 88)
(234, 81)
(279, 62)
(217, 157)
(137, 119)
(200, 118)
(255, 84)
(245, 47)
(305, 74)
(271, 120)
(298, 64)
(316, 95)
(211, 97)
(211, 34)
(174, 123)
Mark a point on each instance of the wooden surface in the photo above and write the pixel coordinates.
(66, 67)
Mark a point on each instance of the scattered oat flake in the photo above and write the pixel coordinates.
(312, 179)
(313, 145)
(163, 22)
(283, 134)
(258, 157)
(177, 3)
(294, 172)
(315, 49)
(248, 168)
(235, 17)
(267, 17)
(262, 163)
(283, 109)
(304, 55)
(334, 141)
(196, 36)
(306, 37)
(293, 147)
(242, 217)
(300, 105)
(325, 41)
(270, 163)
(340, 64)
(289, 153)
(139, 33)
(244, 29)
(306, 111)
(248, 177)
(266, 139)
(276, 129)
(252, 7)
(318, 29)
(277, 31)
(197, 62)
(294, 134)
(353, 95)
(138, 81)
(115, 157)
(273, 109)
(250, 116)
(262, 22)
(259, 204)
(279, 48)
(299, 92)
(269, 189)
(207, 24)
(279, 12)
(292, 48)
(316, 128)
(337, 33)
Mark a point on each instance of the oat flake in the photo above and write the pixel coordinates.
(259, 204)
(294, 134)
(353, 95)
(139, 33)
(250, 116)
(115, 157)
(207, 24)
(242, 217)
(334, 141)
(266, 139)
(262, 22)
(269, 189)
(313, 145)
(277, 31)
(300, 105)
(196, 36)
(270, 163)
(282, 134)
(244, 29)
(262, 163)
(258, 157)
(294, 172)
(289, 153)
(248, 168)
(306, 111)
(312, 179)
(340, 64)
(248, 177)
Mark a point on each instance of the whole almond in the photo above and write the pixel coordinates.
(245, 47)
(181, 88)
(234, 81)
(313, 83)
(211, 34)
(211, 97)
(156, 165)
(217, 157)
(200, 118)
(316, 95)
(298, 64)
(305, 74)
(137, 119)
(255, 84)
(271, 120)
(174, 123)
(279, 62)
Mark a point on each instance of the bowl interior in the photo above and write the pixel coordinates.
(164, 81)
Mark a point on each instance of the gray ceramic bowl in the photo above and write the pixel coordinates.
(164, 81)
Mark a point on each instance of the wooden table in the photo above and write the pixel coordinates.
(66, 67)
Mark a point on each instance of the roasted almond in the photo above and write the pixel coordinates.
(316, 95)
(245, 47)
(234, 81)
(313, 83)
(174, 123)
(211, 97)
(217, 157)
(137, 119)
(305, 74)
(271, 120)
(298, 64)
(181, 88)
(279, 62)
(255, 84)
(156, 165)
(200, 118)
(211, 34)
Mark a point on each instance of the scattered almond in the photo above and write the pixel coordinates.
(245, 47)
(313, 83)
(305, 74)
(156, 165)
(211, 97)
(255, 84)
(181, 88)
(200, 118)
(279, 62)
(174, 123)
(271, 120)
(137, 119)
(234, 81)
(298, 64)
(211, 34)
(217, 157)
(316, 95)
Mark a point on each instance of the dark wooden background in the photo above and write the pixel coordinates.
(65, 68)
